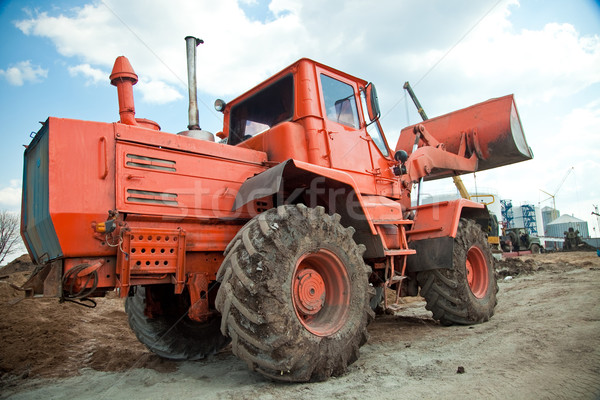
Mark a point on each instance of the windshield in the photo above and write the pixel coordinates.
(261, 111)
(373, 127)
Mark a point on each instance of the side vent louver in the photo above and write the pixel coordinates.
(157, 164)
(148, 197)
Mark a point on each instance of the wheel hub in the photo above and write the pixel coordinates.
(309, 290)
(477, 272)
(321, 292)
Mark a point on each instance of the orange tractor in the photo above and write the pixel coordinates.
(282, 237)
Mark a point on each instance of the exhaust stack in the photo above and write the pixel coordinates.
(194, 130)
(191, 43)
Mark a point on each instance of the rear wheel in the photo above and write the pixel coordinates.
(171, 334)
(465, 294)
(294, 294)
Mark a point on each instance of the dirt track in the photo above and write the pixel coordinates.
(543, 342)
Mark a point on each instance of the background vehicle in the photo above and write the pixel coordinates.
(279, 241)
(517, 239)
(572, 239)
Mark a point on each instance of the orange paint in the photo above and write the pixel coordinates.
(171, 197)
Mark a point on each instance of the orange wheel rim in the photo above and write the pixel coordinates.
(477, 272)
(321, 292)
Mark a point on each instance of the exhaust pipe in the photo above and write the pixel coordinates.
(191, 43)
(194, 129)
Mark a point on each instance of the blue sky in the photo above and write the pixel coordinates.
(55, 58)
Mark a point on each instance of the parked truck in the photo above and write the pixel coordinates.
(281, 237)
(518, 239)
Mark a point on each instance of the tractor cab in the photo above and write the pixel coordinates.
(331, 121)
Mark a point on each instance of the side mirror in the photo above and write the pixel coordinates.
(372, 102)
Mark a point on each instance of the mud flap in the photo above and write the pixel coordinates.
(431, 254)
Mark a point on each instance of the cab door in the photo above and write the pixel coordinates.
(348, 144)
(366, 156)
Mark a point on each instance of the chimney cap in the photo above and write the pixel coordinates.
(122, 70)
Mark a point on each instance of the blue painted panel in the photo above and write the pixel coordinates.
(39, 230)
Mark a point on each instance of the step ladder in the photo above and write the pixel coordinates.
(396, 254)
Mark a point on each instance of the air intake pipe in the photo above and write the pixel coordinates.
(123, 77)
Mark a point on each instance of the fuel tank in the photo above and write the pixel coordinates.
(492, 130)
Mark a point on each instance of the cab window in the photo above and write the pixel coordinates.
(261, 111)
(340, 103)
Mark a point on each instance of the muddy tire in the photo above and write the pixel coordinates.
(294, 295)
(535, 248)
(465, 294)
(172, 335)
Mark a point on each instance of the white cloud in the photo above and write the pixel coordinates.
(93, 75)
(23, 72)
(279, 7)
(575, 142)
(580, 148)
(238, 52)
(387, 38)
(555, 61)
(10, 196)
(157, 92)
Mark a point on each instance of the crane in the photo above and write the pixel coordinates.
(553, 196)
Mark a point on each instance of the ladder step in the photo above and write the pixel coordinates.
(393, 222)
(399, 252)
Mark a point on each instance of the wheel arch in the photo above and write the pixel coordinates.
(294, 181)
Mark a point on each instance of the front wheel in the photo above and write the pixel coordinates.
(295, 295)
(466, 293)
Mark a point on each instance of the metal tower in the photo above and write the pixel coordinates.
(507, 213)
(529, 219)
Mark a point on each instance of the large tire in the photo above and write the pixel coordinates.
(294, 294)
(465, 294)
(535, 248)
(172, 334)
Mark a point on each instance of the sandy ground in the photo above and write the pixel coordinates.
(543, 343)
